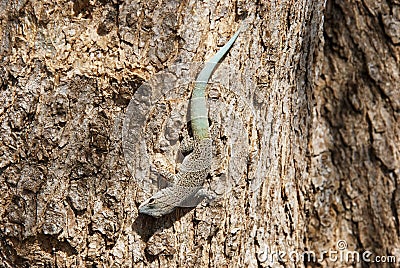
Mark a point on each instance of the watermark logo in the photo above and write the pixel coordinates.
(341, 254)
(341, 245)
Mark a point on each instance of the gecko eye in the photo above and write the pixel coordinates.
(151, 200)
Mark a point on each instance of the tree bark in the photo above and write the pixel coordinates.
(314, 161)
(355, 144)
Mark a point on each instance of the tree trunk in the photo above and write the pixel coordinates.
(356, 136)
(306, 132)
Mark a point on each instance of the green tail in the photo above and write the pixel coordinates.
(198, 105)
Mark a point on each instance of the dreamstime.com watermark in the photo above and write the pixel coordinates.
(340, 254)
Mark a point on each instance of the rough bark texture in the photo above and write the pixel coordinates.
(356, 137)
(323, 145)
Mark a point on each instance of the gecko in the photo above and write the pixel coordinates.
(196, 166)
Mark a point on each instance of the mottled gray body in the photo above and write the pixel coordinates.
(187, 182)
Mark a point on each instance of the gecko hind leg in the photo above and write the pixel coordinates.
(214, 129)
(187, 143)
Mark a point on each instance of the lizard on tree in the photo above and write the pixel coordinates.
(196, 166)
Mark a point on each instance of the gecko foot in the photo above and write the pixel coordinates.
(206, 195)
(187, 143)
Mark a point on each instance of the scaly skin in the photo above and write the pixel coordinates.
(197, 165)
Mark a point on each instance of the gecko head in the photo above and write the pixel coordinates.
(157, 205)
